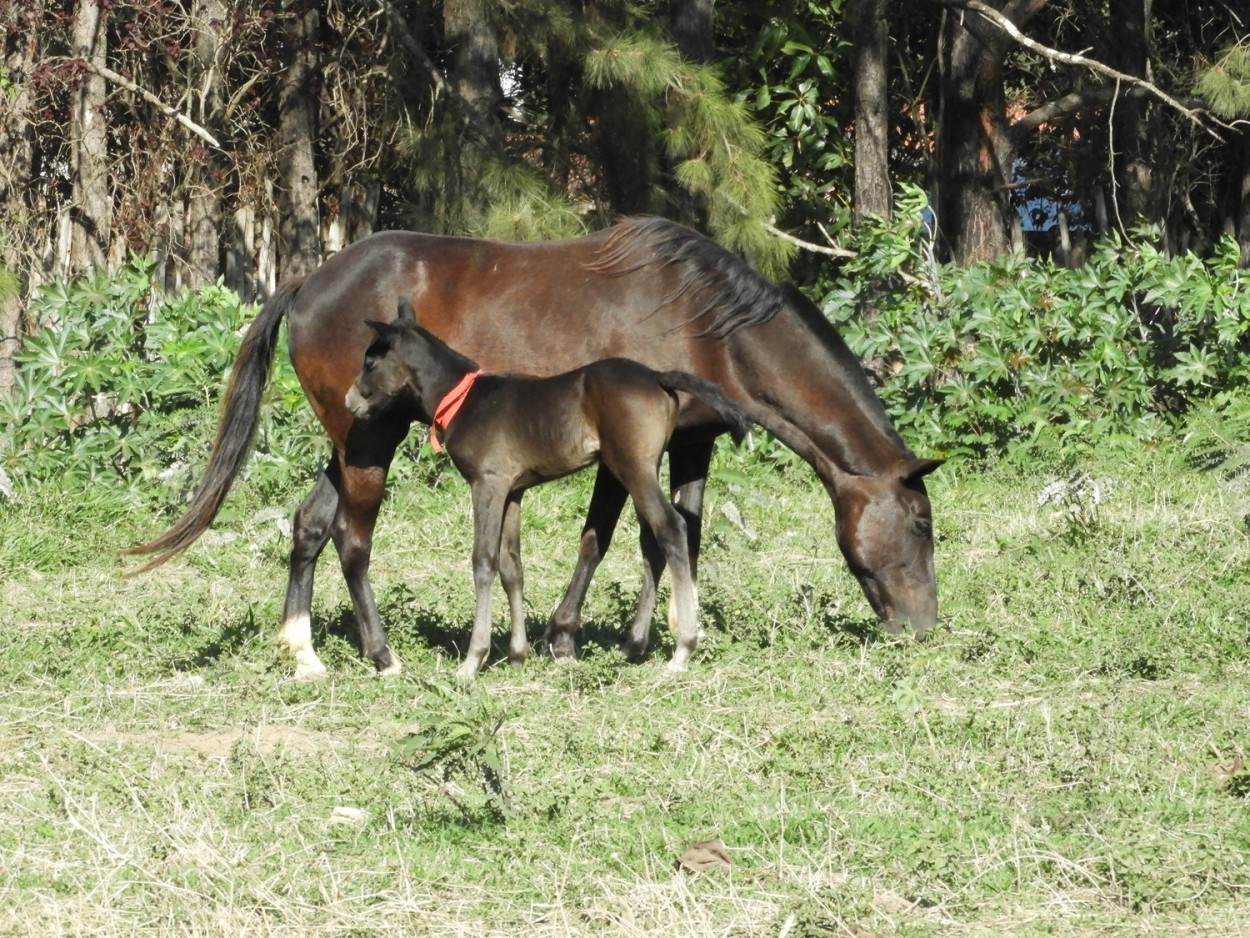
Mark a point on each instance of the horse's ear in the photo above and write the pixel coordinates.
(915, 469)
(406, 315)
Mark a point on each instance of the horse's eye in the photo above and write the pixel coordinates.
(923, 527)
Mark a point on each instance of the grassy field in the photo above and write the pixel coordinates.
(1063, 757)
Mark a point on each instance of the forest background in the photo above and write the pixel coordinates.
(1072, 183)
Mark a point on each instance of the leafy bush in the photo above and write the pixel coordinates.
(121, 385)
(1019, 353)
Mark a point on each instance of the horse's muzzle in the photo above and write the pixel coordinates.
(356, 403)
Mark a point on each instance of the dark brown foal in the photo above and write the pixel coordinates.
(506, 433)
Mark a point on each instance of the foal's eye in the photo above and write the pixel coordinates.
(923, 527)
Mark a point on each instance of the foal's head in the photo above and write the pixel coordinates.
(400, 364)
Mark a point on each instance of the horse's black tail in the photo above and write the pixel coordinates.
(240, 414)
(735, 418)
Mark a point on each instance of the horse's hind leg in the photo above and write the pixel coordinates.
(310, 530)
(606, 503)
(360, 495)
(513, 578)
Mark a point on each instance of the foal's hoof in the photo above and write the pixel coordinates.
(634, 651)
(561, 645)
(388, 663)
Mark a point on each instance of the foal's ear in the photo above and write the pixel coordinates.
(382, 330)
(405, 315)
(916, 469)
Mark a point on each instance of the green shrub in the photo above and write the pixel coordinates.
(1018, 353)
(121, 385)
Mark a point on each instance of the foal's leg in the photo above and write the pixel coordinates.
(361, 488)
(687, 470)
(669, 529)
(687, 474)
(653, 560)
(310, 530)
(606, 503)
(513, 578)
(489, 504)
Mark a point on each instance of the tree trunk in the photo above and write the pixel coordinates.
(17, 157)
(974, 150)
(691, 25)
(206, 169)
(1135, 142)
(299, 231)
(870, 36)
(1243, 199)
(92, 210)
(473, 72)
(240, 267)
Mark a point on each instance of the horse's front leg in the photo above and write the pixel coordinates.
(606, 502)
(489, 503)
(310, 530)
(513, 577)
(363, 482)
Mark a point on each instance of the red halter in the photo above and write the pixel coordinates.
(449, 406)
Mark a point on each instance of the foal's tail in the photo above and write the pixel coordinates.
(240, 414)
(735, 418)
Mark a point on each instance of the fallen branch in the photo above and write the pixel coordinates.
(1068, 58)
(808, 245)
(832, 251)
(109, 75)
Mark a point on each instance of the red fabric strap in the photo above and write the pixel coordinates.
(449, 406)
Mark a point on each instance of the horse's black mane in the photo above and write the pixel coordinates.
(725, 294)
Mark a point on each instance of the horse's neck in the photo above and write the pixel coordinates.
(812, 395)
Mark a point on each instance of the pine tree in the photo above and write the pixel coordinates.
(602, 116)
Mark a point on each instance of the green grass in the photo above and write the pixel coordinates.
(1061, 758)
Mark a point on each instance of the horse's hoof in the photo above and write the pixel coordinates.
(310, 671)
(634, 651)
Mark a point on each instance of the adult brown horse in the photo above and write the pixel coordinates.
(646, 289)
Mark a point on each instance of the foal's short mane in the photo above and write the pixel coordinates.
(722, 292)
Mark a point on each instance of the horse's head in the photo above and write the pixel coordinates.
(391, 378)
(885, 530)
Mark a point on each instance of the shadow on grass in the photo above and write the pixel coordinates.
(419, 625)
(763, 631)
